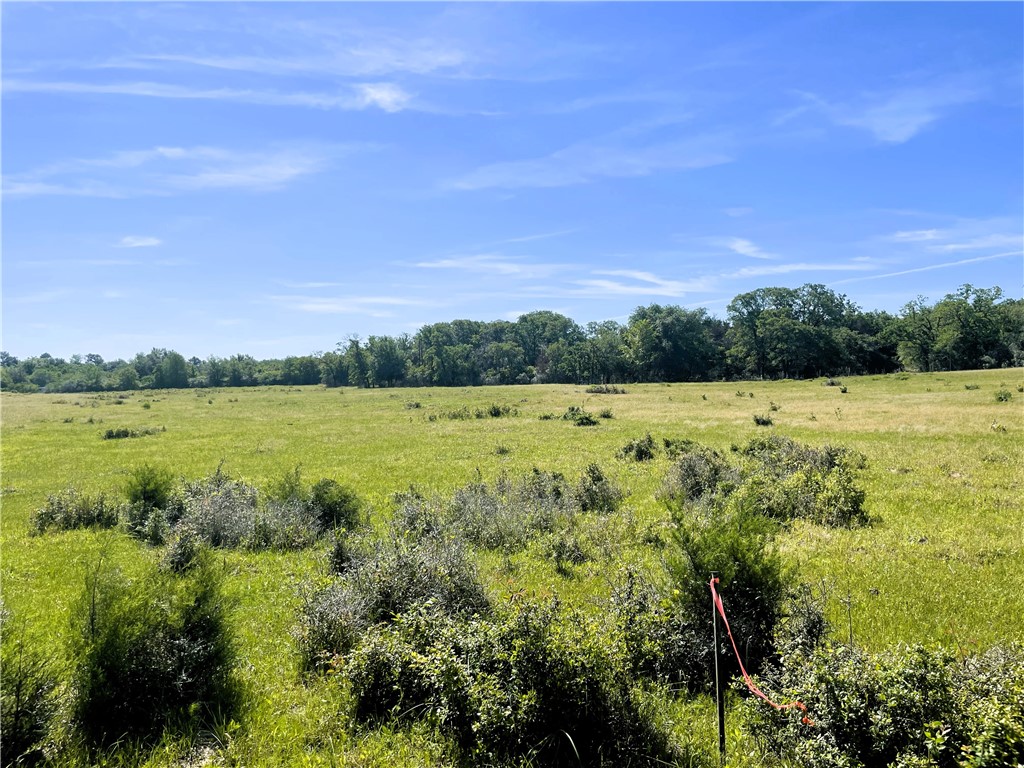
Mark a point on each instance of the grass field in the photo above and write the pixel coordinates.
(941, 563)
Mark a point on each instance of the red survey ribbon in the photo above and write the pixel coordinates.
(750, 683)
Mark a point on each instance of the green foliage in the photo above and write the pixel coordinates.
(70, 509)
(378, 585)
(149, 486)
(638, 449)
(906, 706)
(1004, 396)
(597, 493)
(335, 506)
(762, 420)
(27, 698)
(605, 389)
(534, 683)
(699, 475)
(150, 654)
(579, 417)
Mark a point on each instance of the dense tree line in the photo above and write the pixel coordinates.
(769, 333)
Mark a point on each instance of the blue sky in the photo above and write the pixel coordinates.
(272, 178)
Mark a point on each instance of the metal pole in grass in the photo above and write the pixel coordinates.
(719, 699)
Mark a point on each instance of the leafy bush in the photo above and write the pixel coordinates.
(533, 684)
(579, 417)
(383, 583)
(605, 389)
(597, 493)
(27, 701)
(904, 706)
(699, 475)
(335, 506)
(71, 509)
(123, 432)
(151, 654)
(1004, 396)
(638, 449)
(149, 486)
(762, 421)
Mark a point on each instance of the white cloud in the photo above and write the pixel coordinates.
(982, 242)
(897, 115)
(637, 283)
(491, 263)
(590, 161)
(738, 211)
(745, 248)
(930, 267)
(386, 96)
(170, 170)
(373, 306)
(136, 241)
(783, 269)
(915, 236)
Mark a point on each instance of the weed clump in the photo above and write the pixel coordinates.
(71, 509)
(579, 417)
(1004, 396)
(638, 449)
(605, 389)
(763, 421)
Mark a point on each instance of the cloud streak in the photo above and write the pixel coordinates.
(135, 241)
(175, 170)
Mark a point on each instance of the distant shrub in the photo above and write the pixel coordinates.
(605, 389)
(71, 509)
(762, 421)
(547, 417)
(638, 449)
(123, 432)
(412, 405)
(566, 548)
(830, 382)
(579, 417)
(606, 413)
(27, 701)
(496, 411)
(502, 450)
(1003, 396)
(972, 386)
(773, 406)
(150, 654)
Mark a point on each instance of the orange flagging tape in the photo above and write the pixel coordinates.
(750, 683)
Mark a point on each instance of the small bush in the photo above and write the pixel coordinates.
(638, 449)
(71, 509)
(151, 654)
(149, 486)
(972, 386)
(412, 405)
(1003, 396)
(762, 421)
(606, 413)
(605, 389)
(597, 493)
(335, 506)
(121, 433)
(579, 417)
(698, 475)
(547, 417)
(772, 406)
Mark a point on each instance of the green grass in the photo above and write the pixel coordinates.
(942, 563)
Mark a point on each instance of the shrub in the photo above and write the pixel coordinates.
(605, 389)
(27, 701)
(150, 655)
(606, 413)
(149, 486)
(905, 706)
(335, 506)
(579, 417)
(71, 509)
(396, 575)
(699, 475)
(762, 421)
(972, 386)
(533, 684)
(638, 449)
(1003, 396)
(597, 493)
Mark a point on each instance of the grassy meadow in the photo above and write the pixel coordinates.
(942, 562)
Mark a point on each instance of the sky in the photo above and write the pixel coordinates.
(272, 178)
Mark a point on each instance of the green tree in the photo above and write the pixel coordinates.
(172, 373)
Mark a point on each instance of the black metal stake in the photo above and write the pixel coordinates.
(719, 699)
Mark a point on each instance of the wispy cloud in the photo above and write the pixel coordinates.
(897, 115)
(591, 161)
(738, 211)
(785, 269)
(531, 238)
(930, 267)
(389, 97)
(372, 306)
(745, 248)
(627, 282)
(914, 236)
(136, 241)
(492, 263)
(171, 170)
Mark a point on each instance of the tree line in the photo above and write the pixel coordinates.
(794, 333)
